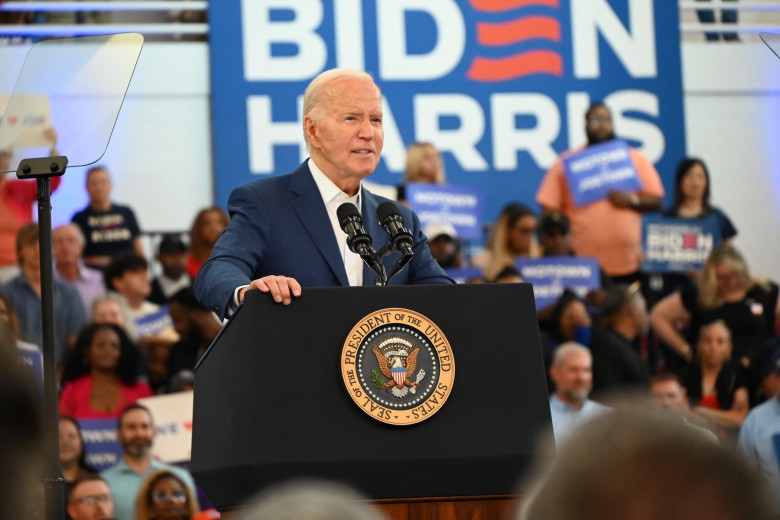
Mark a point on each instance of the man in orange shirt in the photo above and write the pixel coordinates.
(609, 229)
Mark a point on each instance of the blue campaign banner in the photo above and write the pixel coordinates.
(460, 206)
(598, 169)
(500, 87)
(102, 448)
(677, 245)
(551, 275)
(31, 357)
(155, 324)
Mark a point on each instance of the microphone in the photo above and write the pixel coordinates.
(391, 221)
(358, 241)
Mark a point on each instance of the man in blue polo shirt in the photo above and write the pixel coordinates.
(135, 432)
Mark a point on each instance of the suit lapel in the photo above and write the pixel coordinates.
(307, 202)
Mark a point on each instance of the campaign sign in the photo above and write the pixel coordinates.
(598, 169)
(551, 275)
(499, 87)
(173, 422)
(100, 443)
(158, 323)
(460, 206)
(31, 357)
(676, 245)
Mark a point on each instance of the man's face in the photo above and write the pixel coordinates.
(66, 246)
(136, 433)
(91, 500)
(99, 186)
(669, 395)
(133, 284)
(573, 377)
(555, 242)
(30, 256)
(598, 125)
(173, 264)
(346, 137)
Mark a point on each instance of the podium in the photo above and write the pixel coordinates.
(271, 403)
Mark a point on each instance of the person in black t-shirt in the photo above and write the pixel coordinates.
(109, 229)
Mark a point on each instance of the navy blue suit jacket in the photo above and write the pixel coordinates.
(279, 226)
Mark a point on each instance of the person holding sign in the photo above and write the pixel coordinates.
(603, 189)
(692, 197)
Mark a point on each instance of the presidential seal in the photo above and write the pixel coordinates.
(397, 366)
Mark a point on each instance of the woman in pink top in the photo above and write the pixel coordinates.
(100, 376)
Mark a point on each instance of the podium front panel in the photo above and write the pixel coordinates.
(271, 404)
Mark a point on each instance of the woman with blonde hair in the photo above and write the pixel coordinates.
(423, 165)
(164, 496)
(724, 291)
(513, 237)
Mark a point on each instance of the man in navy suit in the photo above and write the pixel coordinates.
(284, 233)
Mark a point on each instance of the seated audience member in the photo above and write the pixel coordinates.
(90, 499)
(157, 351)
(759, 434)
(73, 456)
(197, 327)
(24, 293)
(724, 291)
(312, 500)
(568, 320)
(171, 255)
(508, 274)
(717, 385)
(128, 276)
(164, 496)
(631, 465)
(30, 355)
(444, 245)
(424, 166)
(21, 434)
(109, 229)
(135, 433)
(571, 371)
(618, 365)
(208, 225)
(668, 393)
(513, 237)
(110, 307)
(17, 197)
(67, 248)
(555, 240)
(100, 377)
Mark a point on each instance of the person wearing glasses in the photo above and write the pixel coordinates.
(90, 499)
(609, 229)
(165, 496)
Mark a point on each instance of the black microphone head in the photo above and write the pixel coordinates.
(347, 212)
(387, 209)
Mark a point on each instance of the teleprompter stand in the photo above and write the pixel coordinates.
(271, 404)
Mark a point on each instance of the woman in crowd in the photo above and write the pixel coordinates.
(112, 308)
(73, 457)
(163, 496)
(206, 228)
(423, 165)
(100, 379)
(725, 290)
(692, 196)
(513, 237)
(29, 354)
(716, 384)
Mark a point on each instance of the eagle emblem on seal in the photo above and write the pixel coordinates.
(397, 359)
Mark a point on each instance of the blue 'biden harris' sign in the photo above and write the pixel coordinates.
(500, 87)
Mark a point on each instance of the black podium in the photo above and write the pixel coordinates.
(271, 404)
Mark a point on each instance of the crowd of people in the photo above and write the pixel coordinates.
(701, 344)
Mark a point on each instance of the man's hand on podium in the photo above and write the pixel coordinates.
(282, 288)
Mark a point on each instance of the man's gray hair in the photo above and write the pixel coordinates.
(312, 500)
(567, 349)
(79, 234)
(312, 98)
